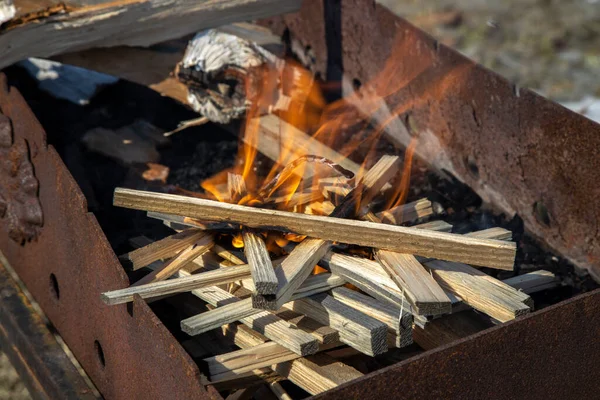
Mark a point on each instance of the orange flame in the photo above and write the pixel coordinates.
(336, 132)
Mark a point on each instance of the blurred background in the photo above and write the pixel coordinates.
(550, 46)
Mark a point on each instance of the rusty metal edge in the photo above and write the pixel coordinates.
(551, 354)
(126, 351)
(32, 349)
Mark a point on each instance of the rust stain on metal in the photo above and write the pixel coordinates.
(125, 351)
(20, 207)
(541, 356)
(525, 149)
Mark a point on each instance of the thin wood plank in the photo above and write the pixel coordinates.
(444, 246)
(182, 259)
(261, 267)
(356, 329)
(292, 272)
(315, 374)
(421, 290)
(164, 248)
(178, 285)
(479, 290)
(263, 322)
(230, 366)
(406, 212)
(244, 309)
(399, 322)
(533, 281)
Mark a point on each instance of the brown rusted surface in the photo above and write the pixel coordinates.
(552, 354)
(520, 152)
(20, 207)
(128, 353)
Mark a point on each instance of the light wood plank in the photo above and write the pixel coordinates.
(422, 291)
(178, 285)
(356, 329)
(406, 212)
(230, 366)
(292, 272)
(480, 290)
(182, 259)
(399, 322)
(263, 322)
(315, 374)
(261, 267)
(164, 248)
(444, 246)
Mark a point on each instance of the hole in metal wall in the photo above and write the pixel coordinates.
(54, 286)
(356, 84)
(541, 213)
(130, 309)
(99, 353)
(472, 166)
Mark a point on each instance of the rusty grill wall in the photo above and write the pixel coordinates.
(520, 144)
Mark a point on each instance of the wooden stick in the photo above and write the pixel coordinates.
(456, 326)
(229, 366)
(315, 374)
(423, 292)
(264, 322)
(184, 284)
(479, 290)
(356, 329)
(445, 246)
(274, 131)
(292, 272)
(324, 333)
(244, 308)
(406, 212)
(163, 248)
(492, 233)
(370, 277)
(532, 282)
(75, 27)
(178, 262)
(279, 391)
(398, 322)
(261, 267)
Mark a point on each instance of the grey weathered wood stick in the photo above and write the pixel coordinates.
(242, 309)
(261, 267)
(398, 321)
(444, 246)
(479, 290)
(423, 292)
(185, 284)
(182, 259)
(230, 366)
(315, 374)
(164, 248)
(358, 330)
(292, 272)
(125, 23)
(264, 322)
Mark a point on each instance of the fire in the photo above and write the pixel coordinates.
(302, 179)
